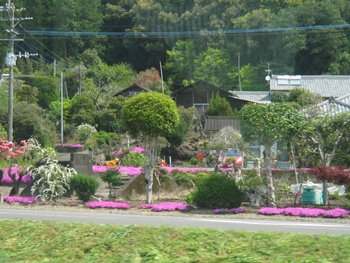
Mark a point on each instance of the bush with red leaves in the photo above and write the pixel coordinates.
(333, 174)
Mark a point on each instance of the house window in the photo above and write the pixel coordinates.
(133, 93)
(200, 108)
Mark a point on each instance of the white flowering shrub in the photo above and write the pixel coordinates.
(36, 154)
(53, 180)
(85, 131)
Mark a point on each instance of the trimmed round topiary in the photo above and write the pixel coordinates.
(84, 186)
(216, 191)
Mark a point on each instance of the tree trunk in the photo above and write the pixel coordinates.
(269, 178)
(324, 192)
(150, 161)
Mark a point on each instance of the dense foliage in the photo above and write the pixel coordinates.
(216, 191)
(84, 186)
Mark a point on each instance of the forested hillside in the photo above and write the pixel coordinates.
(193, 39)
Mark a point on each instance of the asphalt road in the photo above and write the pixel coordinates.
(216, 223)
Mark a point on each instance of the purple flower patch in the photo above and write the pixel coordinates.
(270, 211)
(145, 206)
(108, 204)
(170, 206)
(20, 199)
(220, 211)
(311, 212)
(6, 179)
(236, 210)
(293, 211)
(138, 149)
(336, 212)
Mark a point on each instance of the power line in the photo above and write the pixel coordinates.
(188, 33)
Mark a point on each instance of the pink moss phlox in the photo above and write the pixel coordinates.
(6, 179)
(220, 211)
(170, 206)
(311, 212)
(236, 210)
(270, 211)
(75, 146)
(20, 199)
(138, 150)
(145, 206)
(108, 204)
(293, 211)
(131, 171)
(336, 212)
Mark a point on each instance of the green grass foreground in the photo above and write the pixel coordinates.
(27, 241)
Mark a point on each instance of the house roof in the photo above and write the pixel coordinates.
(198, 83)
(254, 96)
(133, 86)
(334, 106)
(325, 85)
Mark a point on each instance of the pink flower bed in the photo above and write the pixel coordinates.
(108, 204)
(138, 150)
(6, 179)
(304, 212)
(20, 199)
(166, 206)
(131, 171)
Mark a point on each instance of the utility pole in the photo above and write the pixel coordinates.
(11, 57)
(239, 71)
(161, 75)
(61, 89)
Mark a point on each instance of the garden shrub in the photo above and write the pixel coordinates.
(216, 191)
(194, 161)
(134, 159)
(84, 186)
(113, 178)
(85, 131)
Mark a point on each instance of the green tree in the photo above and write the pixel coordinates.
(182, 131)
(82, 110)
(327, 134)
(227, 137)
(279, 96)
(29, 120)
(27, 93)
(269, 123)
(219, 106)
(180, 62)
(150, 115)
(212, 65)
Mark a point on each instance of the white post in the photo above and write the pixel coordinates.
(61, 108)
(170, 161)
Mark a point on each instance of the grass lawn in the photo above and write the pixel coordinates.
(27, 241)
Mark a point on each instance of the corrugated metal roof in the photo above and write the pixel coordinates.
(325, 85)
(255, 96)
(216, 123)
